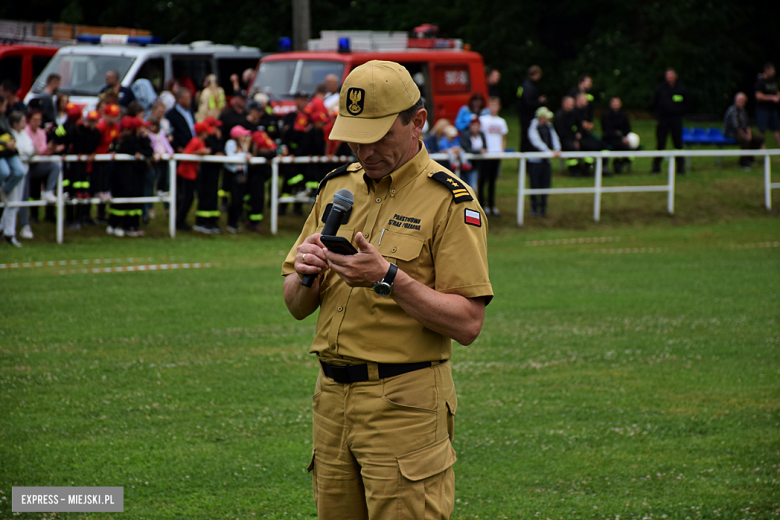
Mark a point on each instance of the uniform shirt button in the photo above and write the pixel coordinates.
(394, 249)
(378, 199)
(341, 309)
(365, 235)
(392, 191)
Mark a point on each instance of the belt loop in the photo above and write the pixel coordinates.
(373, 371)
(434, 363)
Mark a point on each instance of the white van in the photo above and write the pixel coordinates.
(83, 67)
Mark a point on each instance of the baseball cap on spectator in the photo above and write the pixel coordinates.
(203, 127)
(301, 94)
(73, 110)
(93, 115)
(212, 121)
(239, 131)
(544, 112)
(370, 100)
(111, 110)
(253, 106)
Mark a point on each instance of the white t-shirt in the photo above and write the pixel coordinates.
(495, 129)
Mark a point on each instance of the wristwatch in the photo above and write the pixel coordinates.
(384, 287)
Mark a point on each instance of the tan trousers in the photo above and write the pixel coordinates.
(382, 448)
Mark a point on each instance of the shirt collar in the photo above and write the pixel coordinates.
(407, 172)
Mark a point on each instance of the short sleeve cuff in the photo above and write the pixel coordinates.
(471, 291)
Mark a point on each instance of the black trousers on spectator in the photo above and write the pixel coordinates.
(540, 175)
(208, 195)
(617, 144)
(127, 181)
(525, 124)
(754, 143)
(488, 173)
(258, 175)
(662, 131)
(238, 191)
(185, 194)
(101, 182)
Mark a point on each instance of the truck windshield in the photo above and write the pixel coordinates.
(282, 79)
(82, 74)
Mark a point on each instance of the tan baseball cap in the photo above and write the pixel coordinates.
(371, 98)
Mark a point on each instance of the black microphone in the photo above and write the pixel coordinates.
(342, 203)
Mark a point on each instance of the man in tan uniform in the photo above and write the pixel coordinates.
(384, 402)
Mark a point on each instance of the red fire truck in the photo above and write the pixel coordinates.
(446, 72)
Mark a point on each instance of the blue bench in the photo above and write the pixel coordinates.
(699, 136)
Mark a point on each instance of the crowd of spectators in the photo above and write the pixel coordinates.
(182, 119)
(132, 121)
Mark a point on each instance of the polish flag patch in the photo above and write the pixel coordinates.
(474, 218)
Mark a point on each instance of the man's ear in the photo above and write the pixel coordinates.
(419, 122)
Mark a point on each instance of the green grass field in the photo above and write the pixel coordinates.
(628, 369)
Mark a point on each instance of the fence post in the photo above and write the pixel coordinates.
(172, 197)
(597, 191)
(274, 195)
(60, 208)
(670, 194)
(767, 183)
(521, 192)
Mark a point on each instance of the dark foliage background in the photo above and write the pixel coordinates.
(717, 47)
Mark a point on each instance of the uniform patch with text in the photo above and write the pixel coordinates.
(474, 218)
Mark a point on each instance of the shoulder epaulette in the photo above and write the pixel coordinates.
(341, 170)
(455, 185)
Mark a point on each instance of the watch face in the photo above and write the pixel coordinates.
(383, 288)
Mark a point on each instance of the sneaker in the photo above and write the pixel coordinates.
(119, 232)
(11, 241)
(466, 167)
(216, 230)
(487, 211)
(151, 214)
(201, 229)
(494, 211)
(134, 233)
(233, 230)
(110, 230)
(26, 233)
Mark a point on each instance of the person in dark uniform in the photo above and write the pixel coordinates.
(583, 86)
(615, 126)
(86, 139)
(670, 103)
(566, 124)
(544, 139)
(588, 140)
(528, 101)
(207, 214)
(384, 402)
(128, 177)
(767, 102)
(295, 142)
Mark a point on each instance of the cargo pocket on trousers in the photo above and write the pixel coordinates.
(426, 482)
(452, 407)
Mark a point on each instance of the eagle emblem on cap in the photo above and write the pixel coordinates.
(356, 97)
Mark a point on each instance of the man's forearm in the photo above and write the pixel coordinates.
(452, 315)
(301, 301)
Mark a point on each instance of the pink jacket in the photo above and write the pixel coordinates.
(38, 139)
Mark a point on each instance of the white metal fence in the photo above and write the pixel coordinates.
(596, 190)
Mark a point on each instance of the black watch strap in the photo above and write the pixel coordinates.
(390, 276)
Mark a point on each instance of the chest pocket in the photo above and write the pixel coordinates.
(402, 250)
